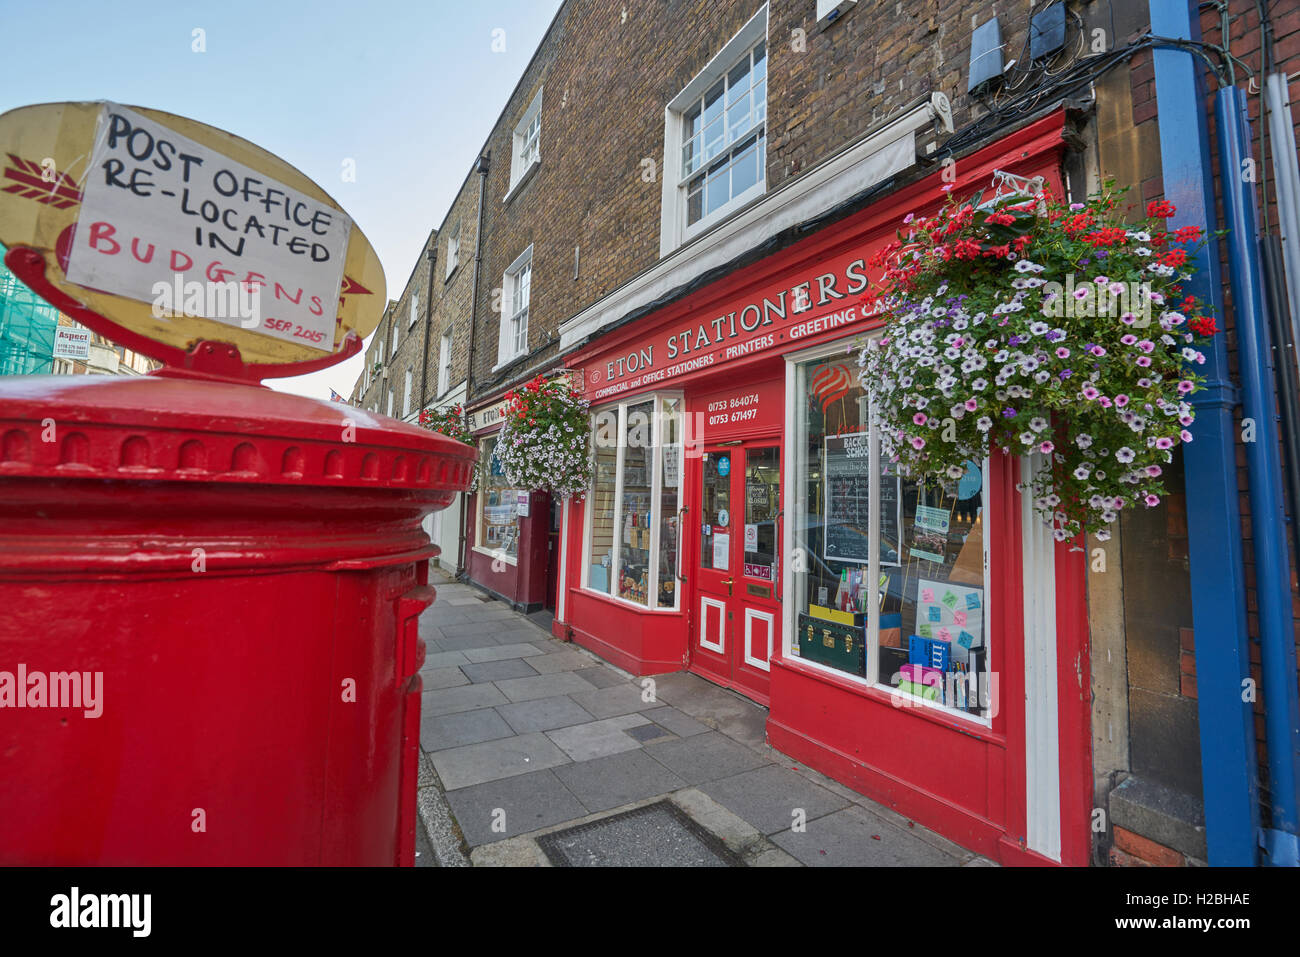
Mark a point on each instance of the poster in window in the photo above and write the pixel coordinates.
(846, 481)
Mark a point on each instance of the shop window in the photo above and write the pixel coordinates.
(887, 575)
(632, 533)
(498, 508)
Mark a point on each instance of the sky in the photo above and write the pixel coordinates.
(408, 90)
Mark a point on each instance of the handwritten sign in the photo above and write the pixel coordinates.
(162, 211)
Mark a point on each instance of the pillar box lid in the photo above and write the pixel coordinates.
(153, 428)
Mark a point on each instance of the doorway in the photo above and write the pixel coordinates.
(738, 566)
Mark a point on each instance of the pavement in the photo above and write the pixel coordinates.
(535, 752)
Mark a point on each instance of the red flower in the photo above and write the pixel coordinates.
(1188, 234)
(1161, 209)
(1174, 257)
(1000, 219)
(1204, 326)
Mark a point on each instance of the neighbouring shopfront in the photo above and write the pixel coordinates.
(922, 642)
(507, 529)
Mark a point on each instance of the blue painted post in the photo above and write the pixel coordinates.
(1268, 518)
(1228, 768)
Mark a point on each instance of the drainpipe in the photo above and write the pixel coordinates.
(1268, 519)
(1229, 776)
(432, 254)
(484, 165)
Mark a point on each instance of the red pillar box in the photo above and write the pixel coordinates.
(209, 650)
(217, 586)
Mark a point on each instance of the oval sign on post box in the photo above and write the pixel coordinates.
(175, 238)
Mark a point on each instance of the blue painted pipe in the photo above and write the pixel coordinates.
(1268, 519)
(1229, 774)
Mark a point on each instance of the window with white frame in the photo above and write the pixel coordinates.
(444, 363)
(415, 308)
(891, 586)
(715, 137)
(498, 507)
(453, 250)
(390, 403)
(397, 328)
(379, 348)
(515, 299)
(631, 547)
(527, 142)
(406, 402)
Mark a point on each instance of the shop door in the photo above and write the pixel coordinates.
(737, 615)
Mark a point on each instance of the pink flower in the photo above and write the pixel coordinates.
(1185, 436)
(919, 418)
(1152, 500)
(1046, 448)
(1090, 393)
(1144, 361)
(1104, 402)
(948, 188)
(1186, 386)
(918, 442)
(1164, 442)
(1062, 352)
(1121, 400)
(971, 405)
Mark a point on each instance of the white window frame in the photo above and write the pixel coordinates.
(673, 231)
(795, 507)
(656, 496)
(415, 309)
(390, 403)
(526, 146)
(453, 251)
(410, 387)
(397, 328)
(444, 363)
(509, 333)
(481, 503)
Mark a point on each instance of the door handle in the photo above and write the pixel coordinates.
(728, 582)
(780, 557)
(681, 538)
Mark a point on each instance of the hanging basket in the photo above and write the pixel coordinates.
(1029, 325)
(452, 423)
(545, 442)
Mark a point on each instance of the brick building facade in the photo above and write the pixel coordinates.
(575, 227)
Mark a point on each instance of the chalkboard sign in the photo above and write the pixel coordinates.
(847, 498)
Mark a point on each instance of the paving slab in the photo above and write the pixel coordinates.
(680, 724)
(491, 760)
(617, 780)
(623, 698)
(855, 838)
(441, 731)
(497, 670)
(543, 714)
(705, 757)
(443, 659)
(465, 698)
(657, 835)
(596, 739)
(502, 652)
(476, 626)
(463, 642)
(651, 733)
(436, 678)
(560, 661)
(499, 810)
(543, 686)
(768, 797)
(600, 676)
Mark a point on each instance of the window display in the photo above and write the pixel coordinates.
(498, 515)
(632, 512)
(888, 574)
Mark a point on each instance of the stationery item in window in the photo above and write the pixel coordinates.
(952, 612)
(928, 651)
(928, 692)
(891, 630)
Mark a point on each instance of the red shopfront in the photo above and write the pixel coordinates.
(742, 525)
(508, 543)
